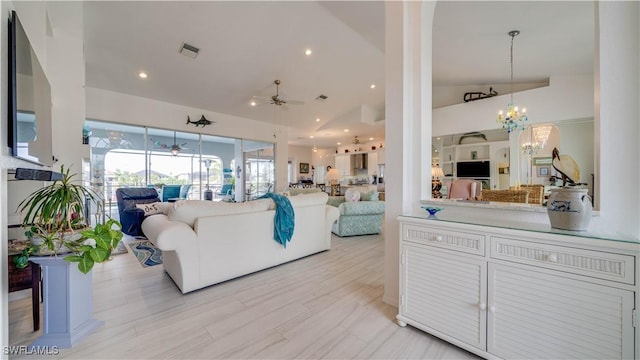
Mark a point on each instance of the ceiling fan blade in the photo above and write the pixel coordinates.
(261, 98)
(284, 107)
(295, 102)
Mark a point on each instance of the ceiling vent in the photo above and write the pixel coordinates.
(189, 50)
(321, 97)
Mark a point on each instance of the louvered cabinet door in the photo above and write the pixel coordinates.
(445, 292)
(540, 316)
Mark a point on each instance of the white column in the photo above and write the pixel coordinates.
(408, 122)
(617, 116)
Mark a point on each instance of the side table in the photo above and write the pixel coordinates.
(29, 277)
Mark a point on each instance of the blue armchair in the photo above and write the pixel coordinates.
(170, 192)
(130, 216)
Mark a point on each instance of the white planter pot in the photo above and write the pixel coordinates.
(569, 208)
(68, 303)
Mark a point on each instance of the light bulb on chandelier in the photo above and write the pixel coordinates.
(513, 118)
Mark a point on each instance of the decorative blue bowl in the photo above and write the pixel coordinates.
(432, 210)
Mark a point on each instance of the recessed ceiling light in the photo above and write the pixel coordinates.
(437, 138)
(339, 143)
(142, 75)
(373, 86)
(311, 137)
(317, 119)
(308, 52)
(346, 130)
(370, 139)
(252, 103)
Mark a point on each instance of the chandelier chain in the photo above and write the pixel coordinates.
(513, 35)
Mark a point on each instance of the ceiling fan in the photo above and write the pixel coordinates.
(275, 99)
(175, 149)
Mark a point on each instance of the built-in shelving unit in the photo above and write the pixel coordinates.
(450, 155)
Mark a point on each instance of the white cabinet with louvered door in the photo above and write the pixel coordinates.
(520, 294)
(541, 316)
(444, 292)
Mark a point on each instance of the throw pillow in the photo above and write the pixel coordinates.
(152, 208)
(369, 195)
(352, 195)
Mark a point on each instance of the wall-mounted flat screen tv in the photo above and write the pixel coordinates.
(29, 100)
(473, 169)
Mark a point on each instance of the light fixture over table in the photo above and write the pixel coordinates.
(513, 118)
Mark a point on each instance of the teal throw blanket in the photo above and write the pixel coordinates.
(283, 222)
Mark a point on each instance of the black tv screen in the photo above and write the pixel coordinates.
(473, 169)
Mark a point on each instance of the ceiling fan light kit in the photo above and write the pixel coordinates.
(276, 99)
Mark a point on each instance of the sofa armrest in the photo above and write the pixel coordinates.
(332, 214)
(361, 208)
(168, 235)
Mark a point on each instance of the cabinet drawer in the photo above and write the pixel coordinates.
(597, 264)
(446, 239)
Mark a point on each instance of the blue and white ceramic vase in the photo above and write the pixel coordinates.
(569, 208)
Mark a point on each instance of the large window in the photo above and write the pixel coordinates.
(125, 156)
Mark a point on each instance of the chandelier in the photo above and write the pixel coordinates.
(513, 118)
(538, 137)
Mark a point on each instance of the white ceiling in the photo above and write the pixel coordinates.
(245, 46)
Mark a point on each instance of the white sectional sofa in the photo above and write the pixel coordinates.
(204, 242)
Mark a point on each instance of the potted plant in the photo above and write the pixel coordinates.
(54, 215)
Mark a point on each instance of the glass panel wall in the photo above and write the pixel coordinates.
(134, 156)
(259, 170)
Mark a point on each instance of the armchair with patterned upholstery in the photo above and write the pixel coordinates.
(130, 216)
(358, 217)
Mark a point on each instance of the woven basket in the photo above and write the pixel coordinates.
(536, 193)
(514, 196)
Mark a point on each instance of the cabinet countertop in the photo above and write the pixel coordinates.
(518, 225)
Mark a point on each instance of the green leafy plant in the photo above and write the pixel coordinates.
(54, 214)
(22, 260)
(56, 208)
(95, 245)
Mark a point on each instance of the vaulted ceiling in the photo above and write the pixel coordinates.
(246, 45)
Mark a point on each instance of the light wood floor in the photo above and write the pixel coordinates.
(324, 306)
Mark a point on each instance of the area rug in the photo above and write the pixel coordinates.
(120, 249)
(146, 253)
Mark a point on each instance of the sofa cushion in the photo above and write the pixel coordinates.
(187, 211)
(312, 199)
(297, 191)
(369, 195)
(335, 200)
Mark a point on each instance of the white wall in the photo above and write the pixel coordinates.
(320, 160)
(545, 104)
(297, 155)
(454, 94)
(117, 107)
